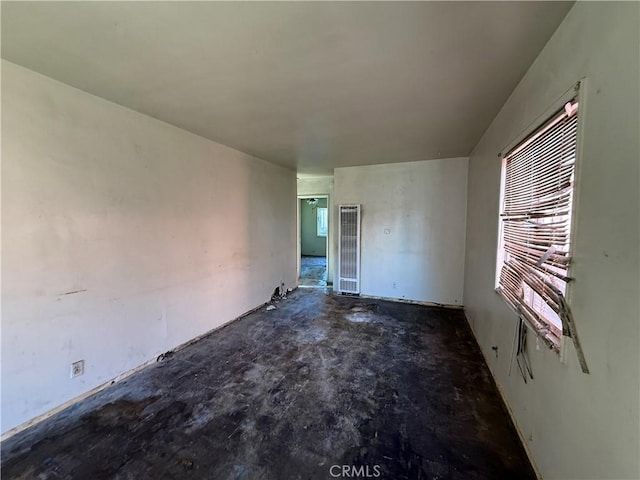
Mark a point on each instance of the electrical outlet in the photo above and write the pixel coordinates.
(77, 368)
(394, 285)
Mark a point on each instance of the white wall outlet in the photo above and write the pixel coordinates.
(77, 368)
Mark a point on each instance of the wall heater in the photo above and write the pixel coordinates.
(348, 249)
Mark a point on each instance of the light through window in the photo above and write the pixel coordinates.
(534, 248)
(322, 227)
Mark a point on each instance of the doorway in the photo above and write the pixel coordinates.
(314, 233)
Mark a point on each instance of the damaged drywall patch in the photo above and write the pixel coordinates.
(73, 291)
(279, 294)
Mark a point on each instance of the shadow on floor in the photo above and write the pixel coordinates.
(313, 271)
(322, 381)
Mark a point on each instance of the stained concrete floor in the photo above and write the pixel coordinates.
(313, 271)
(286, 394)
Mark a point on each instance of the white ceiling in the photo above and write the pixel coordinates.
(309, 85)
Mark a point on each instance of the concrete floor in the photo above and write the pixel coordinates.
(313, 271)
(286, 394)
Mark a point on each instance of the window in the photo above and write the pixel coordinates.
(321, 230)
(534, 248)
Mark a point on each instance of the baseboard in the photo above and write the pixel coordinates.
(50, 413)
(412, 302)
(503, 397)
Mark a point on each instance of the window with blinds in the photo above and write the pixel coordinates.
(535, 224)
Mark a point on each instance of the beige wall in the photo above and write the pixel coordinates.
(413, 227)
(163, 235)
(575, 426)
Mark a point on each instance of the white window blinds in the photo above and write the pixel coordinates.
(535, 218)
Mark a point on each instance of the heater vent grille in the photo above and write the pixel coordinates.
(349, 249)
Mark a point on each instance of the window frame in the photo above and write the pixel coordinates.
(325, 231)
(576, 92)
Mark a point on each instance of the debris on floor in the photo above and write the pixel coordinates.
(165, 355)
(287, 395)
(279, 293)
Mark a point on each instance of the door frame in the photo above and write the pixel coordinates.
(299, 242)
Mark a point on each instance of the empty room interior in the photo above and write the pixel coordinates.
(315, 240)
